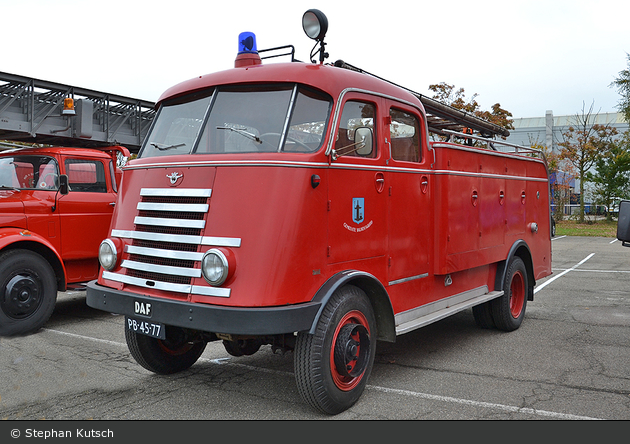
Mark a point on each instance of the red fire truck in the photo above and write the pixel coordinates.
(305, 206)
(55, 209)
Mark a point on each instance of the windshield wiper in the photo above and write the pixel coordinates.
(163, 147)
(249, 135)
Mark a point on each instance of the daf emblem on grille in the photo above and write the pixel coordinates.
(174, 177)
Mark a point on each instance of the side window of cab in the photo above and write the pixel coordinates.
(356, 134)
(405, 133)
(86, 175)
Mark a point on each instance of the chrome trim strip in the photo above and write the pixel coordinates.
(407, 279)
(143, 235)
(435, 311)
(211, 291)
(162, 269)
(179, 238)
(177, 288)
(176, 192)
(488, 175)
(191, 208)
(231, 163)
(169, 254)
(166, 222)
(221, 241)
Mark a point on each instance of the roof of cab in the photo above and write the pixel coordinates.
(327, 78)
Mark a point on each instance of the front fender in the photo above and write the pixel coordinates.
(383, 311)
(11, 237)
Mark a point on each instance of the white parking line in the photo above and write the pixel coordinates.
(544, 284)
(489, 405)
(447, 399)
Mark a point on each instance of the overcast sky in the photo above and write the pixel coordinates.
(529, 56)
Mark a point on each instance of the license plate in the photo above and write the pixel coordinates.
(147, 328)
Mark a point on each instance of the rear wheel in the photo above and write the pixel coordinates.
(333, 365)
(174, 354)
(28, 289)
(483, 315)
(508, 310)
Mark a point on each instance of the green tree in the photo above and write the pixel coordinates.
(584, 143)
(623, 85)
(612, 177)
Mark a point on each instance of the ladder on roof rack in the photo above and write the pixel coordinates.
(441, 117)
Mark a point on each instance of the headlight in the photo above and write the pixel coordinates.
(107, 254)
(214, 267)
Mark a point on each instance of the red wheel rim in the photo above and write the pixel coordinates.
(175, 349)
(342, 380)
(517, 294)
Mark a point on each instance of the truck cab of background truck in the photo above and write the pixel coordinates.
(303, 205)
(55, 209)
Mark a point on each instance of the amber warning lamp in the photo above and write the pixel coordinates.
(68, 107)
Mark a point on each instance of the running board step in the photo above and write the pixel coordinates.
(427, 314)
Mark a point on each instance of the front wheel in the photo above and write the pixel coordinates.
(28, 292)
(508, 310)
(174, 354)
(333, 365)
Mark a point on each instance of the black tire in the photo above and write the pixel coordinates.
(508, 310)
(483, 315)
(333, 365)
(171, 355)
(553, 228)
(28, 292)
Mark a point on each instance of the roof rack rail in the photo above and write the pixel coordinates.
(442, 117)
(518, 149)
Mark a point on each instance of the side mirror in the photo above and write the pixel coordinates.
(363, 138)
(63, 184)
(623, 223)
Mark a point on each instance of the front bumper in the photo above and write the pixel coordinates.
(256, 321)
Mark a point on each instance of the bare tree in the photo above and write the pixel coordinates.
(583, 144)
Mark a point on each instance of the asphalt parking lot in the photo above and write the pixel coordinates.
(570, 360)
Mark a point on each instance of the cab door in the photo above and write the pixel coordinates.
(86, 213)
(410, 210)
(357, 200)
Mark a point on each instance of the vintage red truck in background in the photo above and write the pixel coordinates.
(305, 206)
(55, 209)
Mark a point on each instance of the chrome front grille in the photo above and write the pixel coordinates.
(167, 244)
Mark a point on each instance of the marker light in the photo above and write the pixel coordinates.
(247, 43)
(315, 24)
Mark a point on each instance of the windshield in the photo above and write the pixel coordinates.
(35, 172)
(241, 120)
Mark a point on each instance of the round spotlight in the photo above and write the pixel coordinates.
(315, 24)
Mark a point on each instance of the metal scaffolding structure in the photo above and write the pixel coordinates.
(31, 111)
